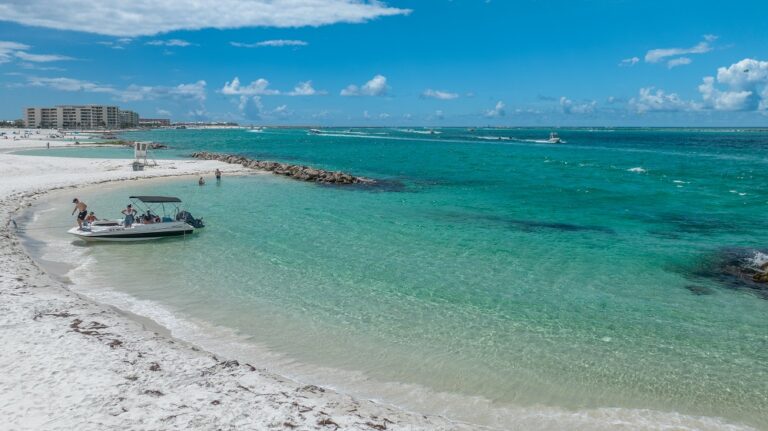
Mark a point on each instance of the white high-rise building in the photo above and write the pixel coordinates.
(73, 117)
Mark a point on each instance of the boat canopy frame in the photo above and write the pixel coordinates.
(151, 204)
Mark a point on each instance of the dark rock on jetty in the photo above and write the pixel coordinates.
(738, 268)
(303, 173)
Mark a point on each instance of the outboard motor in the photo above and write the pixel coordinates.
(187, 217)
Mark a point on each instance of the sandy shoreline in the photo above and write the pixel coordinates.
(71, 363)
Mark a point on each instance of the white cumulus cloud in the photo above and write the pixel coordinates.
(497, 111)
(150, 17)
(745, 87)
(568, 106)
(377, 86)
(660, 101)
(437, 94)
(258, 87)
(305, 89)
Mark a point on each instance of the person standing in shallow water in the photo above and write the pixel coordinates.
(82, 209)
(130, 215)
(218, 174)
(201, 182)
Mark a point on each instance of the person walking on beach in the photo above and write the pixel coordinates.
(201, 182)
(48, 145)
(218, 174)
(82, 209)
(130, 215)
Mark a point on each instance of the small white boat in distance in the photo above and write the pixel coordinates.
(554, 138)
(315, 131)
(147, 225)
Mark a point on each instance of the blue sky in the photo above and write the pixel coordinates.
(435, 62)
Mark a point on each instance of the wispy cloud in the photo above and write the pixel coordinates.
(681, 61)
(195, 91)
(41, 58)
(661, 54)
(437, 94)
(10, 51)
(272, 43)
(169, 42)
(119, 43)
(131, 18)
(377, 86)
(629, 62)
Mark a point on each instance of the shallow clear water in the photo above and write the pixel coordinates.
(515, 272)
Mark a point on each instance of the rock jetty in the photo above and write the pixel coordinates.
(298, 172)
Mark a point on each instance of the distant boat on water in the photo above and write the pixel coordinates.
(315, 131)
(554, 139)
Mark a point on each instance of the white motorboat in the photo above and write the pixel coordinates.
(148, 225)
(315, 131)
(554, 138)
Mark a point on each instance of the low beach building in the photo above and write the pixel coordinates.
(73, 117)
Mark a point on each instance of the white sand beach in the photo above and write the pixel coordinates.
(71, 363)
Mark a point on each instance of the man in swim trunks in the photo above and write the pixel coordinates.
(82, 209)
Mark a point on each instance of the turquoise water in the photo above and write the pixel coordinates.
(524, 274)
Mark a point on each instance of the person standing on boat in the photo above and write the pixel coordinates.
(82, 210)
(130, 215)
(218, 174)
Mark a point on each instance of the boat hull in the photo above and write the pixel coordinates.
(137, 232)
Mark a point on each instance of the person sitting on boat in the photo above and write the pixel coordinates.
(130, 215)
(81, 208)
(90, 218)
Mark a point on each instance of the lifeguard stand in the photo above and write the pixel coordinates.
(141, 154)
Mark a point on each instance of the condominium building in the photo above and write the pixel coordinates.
(128, 119)
(73, 117)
